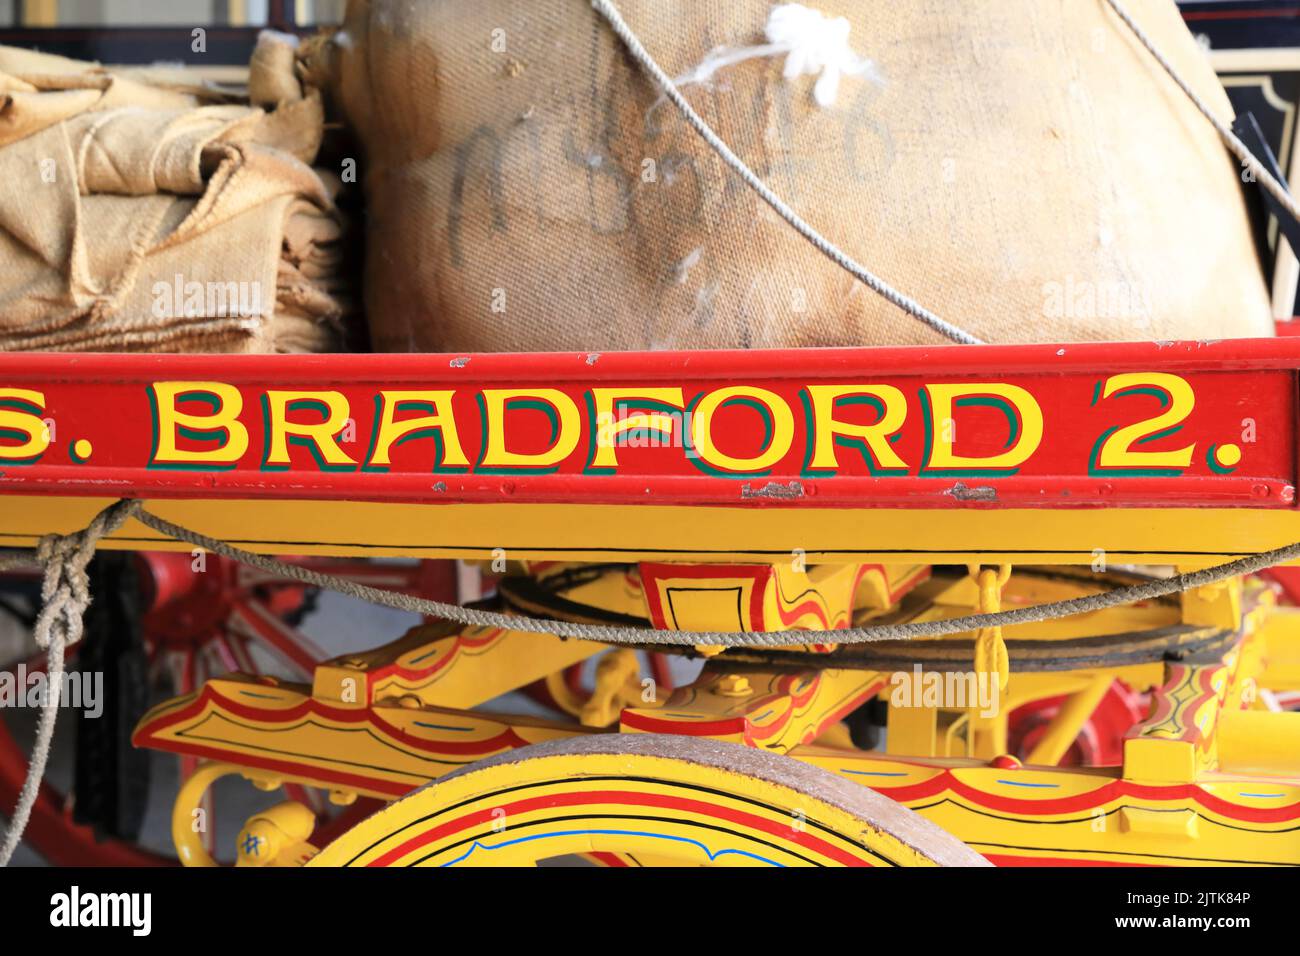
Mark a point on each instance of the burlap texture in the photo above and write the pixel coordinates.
(125, 190)
(1024, 169)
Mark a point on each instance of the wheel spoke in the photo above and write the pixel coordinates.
(225, 651)
(182, 666)
(661, 671)
(214, 662)
(248, 578)
(238, 645)
(288, 643)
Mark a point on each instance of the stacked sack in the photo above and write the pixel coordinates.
(1023, 168)
(143, 210)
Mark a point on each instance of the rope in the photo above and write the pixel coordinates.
(913, 308)
(1230, 139)
(833, 252)
(18, 558)
(65, 587)
(610, 634)
(65, 594)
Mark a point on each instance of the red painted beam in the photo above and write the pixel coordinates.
(1116, 424)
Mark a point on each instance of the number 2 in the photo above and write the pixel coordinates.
(1116, 446)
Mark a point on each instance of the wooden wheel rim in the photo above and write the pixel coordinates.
(674, 799)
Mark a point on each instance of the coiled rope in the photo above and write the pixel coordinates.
(65, 595)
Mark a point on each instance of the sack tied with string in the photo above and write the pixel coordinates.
(1022, 168)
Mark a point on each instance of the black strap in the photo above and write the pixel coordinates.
(1247, 129)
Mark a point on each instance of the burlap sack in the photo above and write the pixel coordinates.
(146, 211)
(1022, 167)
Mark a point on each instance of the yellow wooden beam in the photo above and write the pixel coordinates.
(912, 731)
(1259, 742)
(594, 532)
(1069, 720)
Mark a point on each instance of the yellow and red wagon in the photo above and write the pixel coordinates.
(656, 496)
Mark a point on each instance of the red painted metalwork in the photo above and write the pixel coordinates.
(203, 620)
(1288, 579)
(1101, 740)
(51, 830)
(1238, 386)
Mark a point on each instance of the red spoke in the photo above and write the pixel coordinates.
(310, 797)
(214, 662)
(183, 667)
(290, 644)
(239, 647)
(225, 650)
(247, 578)
(661, 671)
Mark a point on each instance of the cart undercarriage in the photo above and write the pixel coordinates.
(704, 505)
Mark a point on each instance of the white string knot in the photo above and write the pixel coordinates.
(636, 49)
(812, 42)
(816, 44)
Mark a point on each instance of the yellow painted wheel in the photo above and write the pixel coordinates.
(643, 798)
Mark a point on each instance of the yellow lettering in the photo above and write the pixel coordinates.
(320, 434)
(875, 437)
(391, 432)
(779, 417)
(226, 404)
(565, 418)
(28, 423)
(606, 400)
(943, 428)
(1117, 451)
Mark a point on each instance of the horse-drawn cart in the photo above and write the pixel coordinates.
(970, 532)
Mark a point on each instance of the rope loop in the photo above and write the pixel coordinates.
(65, 588)
(65, 595)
